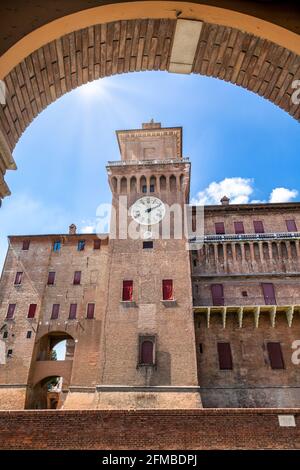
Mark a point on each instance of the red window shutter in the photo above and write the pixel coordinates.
(147, 352)
(55, 311)
(217, 294)
(275, 355)
(220, 228)
(258, 226)
(127, 291)
(239, 227)
(51, 278)
(97, 244)
(77, 277)
(291, 226)
(269, 293)
(90, 311)
(167, 288)
(72, 312)
(10, 311)
(18, 278)
(225, 357)
(26, 244)
(31, 311)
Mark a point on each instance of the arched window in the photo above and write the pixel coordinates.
(173, 183)
(133, 184)
(163, 183)
(114, 183)
(152, 184)
(143, 185)
(123, 185)
(146, 351)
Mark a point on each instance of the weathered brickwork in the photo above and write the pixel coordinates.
(149, 429)
(159, 344)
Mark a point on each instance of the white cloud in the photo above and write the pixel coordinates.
(88, 229)
(283, 195)
(237, 189)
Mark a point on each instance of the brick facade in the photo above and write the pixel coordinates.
(81, 301)
(148, 429)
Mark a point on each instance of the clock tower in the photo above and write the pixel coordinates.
(148, 343)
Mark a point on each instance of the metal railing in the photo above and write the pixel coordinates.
(147, 162)
(246, 236)
(244, 301)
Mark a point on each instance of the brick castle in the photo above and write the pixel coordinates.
(154, 322)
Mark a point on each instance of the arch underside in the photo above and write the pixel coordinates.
(256, 64)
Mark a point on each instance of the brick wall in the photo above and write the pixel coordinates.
(170, 429)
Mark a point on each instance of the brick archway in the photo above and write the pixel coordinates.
(232, 54)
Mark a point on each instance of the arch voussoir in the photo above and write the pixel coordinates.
(98, 51)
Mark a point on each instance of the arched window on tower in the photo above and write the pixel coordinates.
(173, 183)
(123, 185)
(143, 185)
(163, 183)
(152, 184)
(133, 184)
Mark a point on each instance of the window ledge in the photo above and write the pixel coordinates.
(169, 303)
(128, 303)
(153, 366)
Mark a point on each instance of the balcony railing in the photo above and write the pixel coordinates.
(246, 236)
(246, 301)
(147, 162)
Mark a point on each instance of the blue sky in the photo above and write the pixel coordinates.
(239, 144)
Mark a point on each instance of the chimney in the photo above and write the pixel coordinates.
(225, 201)
(72, 229)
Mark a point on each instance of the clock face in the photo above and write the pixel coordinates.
(148, 210)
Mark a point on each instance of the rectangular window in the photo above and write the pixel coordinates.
(217, 294)
(127, 294)
(225, 357)
(77, 278)
(18, 278)
(31, 311)
(56, 246)
(10, 311)
(5, 334)
(147, 245)
(275, 355)
(90, 311)
(269, 293)
(97, 244)
(239, 227)
(55, 312)
(81, 245)
(72, 311)
(51, 278)
(291, 226)
(28, 335)
(167, 289)
(220, 228)
(26, 244)
(258, 226)
(9, 353)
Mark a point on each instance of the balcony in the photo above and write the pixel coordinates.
(246, 237)
(288, 307)
(147, 162)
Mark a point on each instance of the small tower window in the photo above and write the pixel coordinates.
(127, 294)
(81, 245)
(56, 246)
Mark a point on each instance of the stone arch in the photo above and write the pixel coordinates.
(153, 184)
(98, 42)
(143, 184)
(114, 184)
